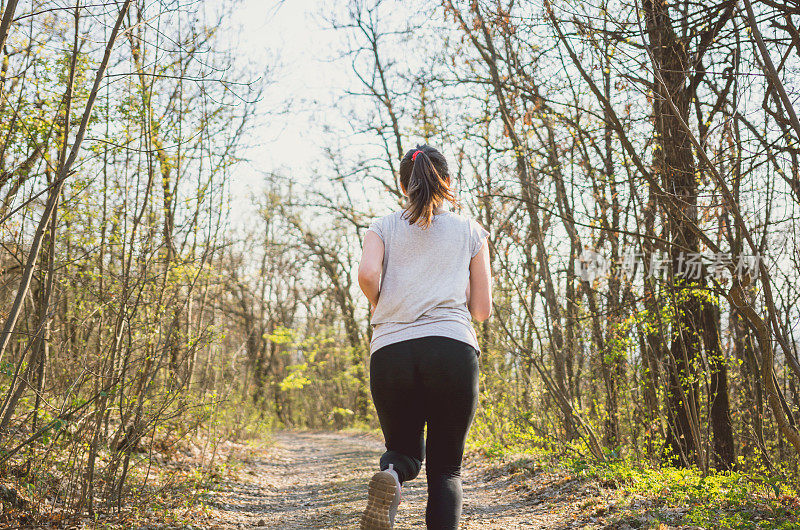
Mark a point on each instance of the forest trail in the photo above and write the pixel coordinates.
(318, 480)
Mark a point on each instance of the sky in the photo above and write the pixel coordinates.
(288, 44)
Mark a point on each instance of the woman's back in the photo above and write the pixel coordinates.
(423, 289)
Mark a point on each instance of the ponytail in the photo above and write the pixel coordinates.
(426, 179)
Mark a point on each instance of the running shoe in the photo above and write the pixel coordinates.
(384, 497)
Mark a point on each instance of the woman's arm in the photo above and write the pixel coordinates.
(479, 298)
(370, 267)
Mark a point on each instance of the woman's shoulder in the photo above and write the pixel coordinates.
(462, 217)
(385, 216)
(384, 222)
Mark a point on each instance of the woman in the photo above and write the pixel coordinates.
(425, 271)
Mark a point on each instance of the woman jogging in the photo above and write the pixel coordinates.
(425, 271)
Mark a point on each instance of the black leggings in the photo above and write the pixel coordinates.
(431, 380)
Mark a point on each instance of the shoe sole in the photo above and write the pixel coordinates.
(382, 493)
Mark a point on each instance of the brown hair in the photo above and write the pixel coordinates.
(426, 180)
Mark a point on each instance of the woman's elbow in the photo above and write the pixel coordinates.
(368, 276)
(482, 312)
(479, 317)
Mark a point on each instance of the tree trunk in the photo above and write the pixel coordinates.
(720, 413)
(675, 163)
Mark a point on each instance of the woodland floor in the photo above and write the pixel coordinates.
(311, 480)
(318, 480)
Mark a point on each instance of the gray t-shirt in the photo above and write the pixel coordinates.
(423, 288)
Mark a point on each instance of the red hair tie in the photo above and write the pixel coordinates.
(414, 156)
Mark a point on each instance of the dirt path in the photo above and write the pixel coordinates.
(318, 480)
